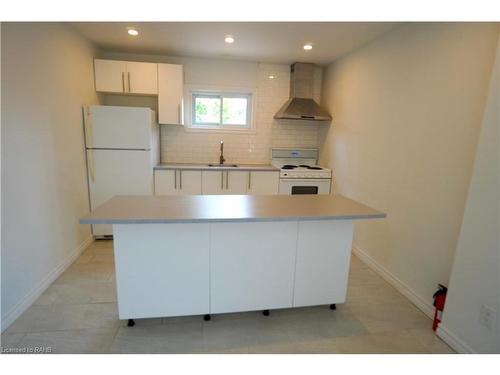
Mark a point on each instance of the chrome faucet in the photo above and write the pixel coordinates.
(221, 158)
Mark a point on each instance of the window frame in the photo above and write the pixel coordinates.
(196, 92)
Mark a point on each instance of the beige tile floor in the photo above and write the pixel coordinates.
(78, 314)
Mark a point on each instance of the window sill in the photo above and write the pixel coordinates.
(189, 129)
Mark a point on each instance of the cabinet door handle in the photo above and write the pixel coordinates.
(180, 179)
(227, 180)
(222, 180)
(175, 179)
(128, 75)
(249, 180)
(123, 81)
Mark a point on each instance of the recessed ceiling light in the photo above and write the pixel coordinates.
(271, 77)
(133, 32)
(308, 46)
(229, 39)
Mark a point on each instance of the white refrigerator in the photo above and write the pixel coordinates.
(122, 147)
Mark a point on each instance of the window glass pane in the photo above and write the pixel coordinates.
(207, 110)
(234, 111)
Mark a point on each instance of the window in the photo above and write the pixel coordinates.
(217, 110)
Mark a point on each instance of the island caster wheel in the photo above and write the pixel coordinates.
(333, 306)
(265, 312)
(130, 323)
(206, 318)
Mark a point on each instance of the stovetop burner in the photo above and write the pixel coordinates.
(311, 167)
(291, 166)
(315, 168)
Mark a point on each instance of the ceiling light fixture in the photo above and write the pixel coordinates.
(132, 32)
(271, 77)
(308, 46)
(229, 39)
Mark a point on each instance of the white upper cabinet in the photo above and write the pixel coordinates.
(263, 182)
(170, 94)
(110, 75)
(126, 77)
(142, 78)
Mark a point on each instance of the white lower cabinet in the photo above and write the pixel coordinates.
(162, 269)
(212, 182)
(240, 182)
(165, 183)
(251, 265)
(177, 182)
(263, 182)
(236, 182)
(195, 182)
(224, 182)
(189, 182)
(322, 264)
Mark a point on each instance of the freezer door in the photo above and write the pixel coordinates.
(118, 127)
(117, 172)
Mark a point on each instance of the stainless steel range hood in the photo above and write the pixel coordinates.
(301, 105)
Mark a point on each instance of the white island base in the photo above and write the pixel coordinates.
(210, 254)
(179, 269)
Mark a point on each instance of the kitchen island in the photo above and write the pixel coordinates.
(202, 255)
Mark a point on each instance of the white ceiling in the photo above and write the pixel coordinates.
(273, 42)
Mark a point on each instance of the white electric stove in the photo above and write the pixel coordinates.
(299, 172)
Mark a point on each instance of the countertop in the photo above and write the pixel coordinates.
(241, 167)
(127, 209)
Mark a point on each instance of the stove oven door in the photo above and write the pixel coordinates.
(305, 186)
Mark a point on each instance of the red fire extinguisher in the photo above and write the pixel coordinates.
(439, 300)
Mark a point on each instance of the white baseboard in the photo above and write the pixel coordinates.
(447, 336)
(452, 340)
(404, 289)
(37, 291)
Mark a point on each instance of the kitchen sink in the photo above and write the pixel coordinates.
(224, 165)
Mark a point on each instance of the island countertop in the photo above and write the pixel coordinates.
(215, 208)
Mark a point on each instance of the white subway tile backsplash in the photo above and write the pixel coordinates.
(181, 146)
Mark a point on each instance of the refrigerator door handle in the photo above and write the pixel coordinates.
(90, 165)
(87, 127)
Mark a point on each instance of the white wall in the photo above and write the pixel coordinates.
(407, 111)
(475, 277)
(47, 75)
(180, 145)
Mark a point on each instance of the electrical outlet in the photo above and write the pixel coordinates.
(487, 316)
